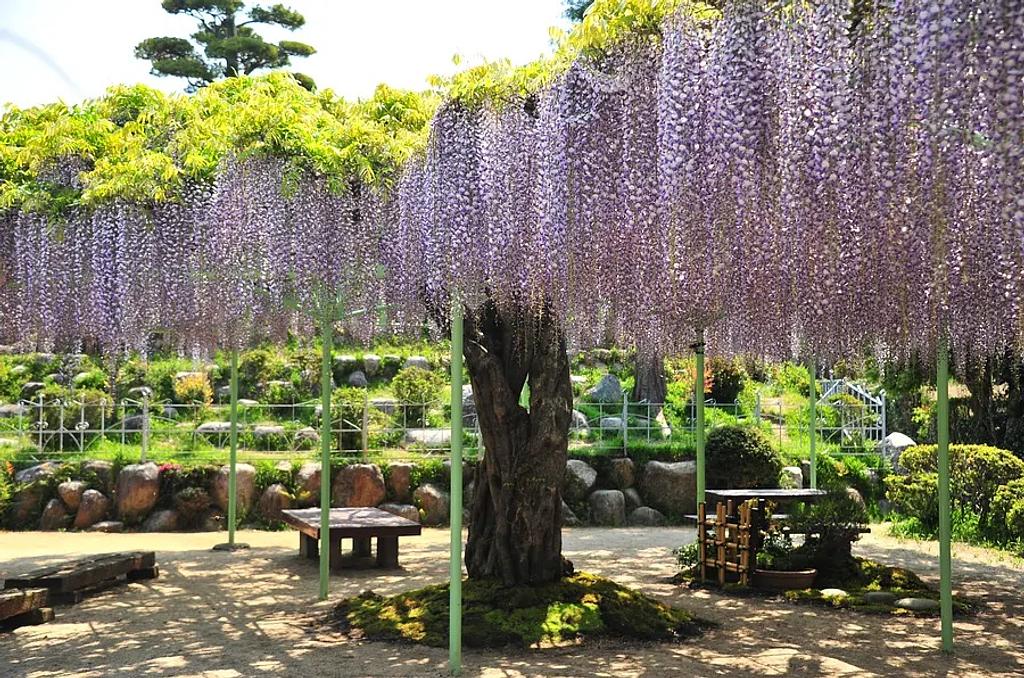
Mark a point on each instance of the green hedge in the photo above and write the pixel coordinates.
(741, 456)
(985, 482)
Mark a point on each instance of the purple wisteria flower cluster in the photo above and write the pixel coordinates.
(782, 181)
(262, 252)
(785, 183)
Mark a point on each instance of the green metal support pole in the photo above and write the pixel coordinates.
(455, 570)
(233, 454)
(699, 403)
(945, 518)
(326, 337)
(812, 369)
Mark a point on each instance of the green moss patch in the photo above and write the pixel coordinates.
(575, 608)
(874, 576)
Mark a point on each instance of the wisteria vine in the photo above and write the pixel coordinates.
(783, 182)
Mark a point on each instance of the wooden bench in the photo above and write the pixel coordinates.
(22, 607)
(71, 581)
(358, 524)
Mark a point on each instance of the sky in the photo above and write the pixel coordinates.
(75, 49)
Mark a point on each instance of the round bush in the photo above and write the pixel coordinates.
(727, 379)
(1008, 505)
(741, 457)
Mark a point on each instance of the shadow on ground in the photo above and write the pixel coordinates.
(256, 611)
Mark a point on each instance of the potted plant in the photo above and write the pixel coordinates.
(779, 566)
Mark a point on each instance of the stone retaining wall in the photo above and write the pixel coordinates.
(95, 495)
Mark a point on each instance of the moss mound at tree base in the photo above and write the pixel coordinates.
(574, 608)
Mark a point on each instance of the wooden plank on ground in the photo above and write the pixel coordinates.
(83, 573)
(19, 601)
(32, 617)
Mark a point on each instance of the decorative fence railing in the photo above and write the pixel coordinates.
(73, 427)
(374, 425)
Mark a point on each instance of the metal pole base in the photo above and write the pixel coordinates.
(230, 547)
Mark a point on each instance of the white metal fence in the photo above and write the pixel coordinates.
(376, 425)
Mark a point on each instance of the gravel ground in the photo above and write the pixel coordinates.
(255, 611)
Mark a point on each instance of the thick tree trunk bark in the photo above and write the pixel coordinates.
(515, 533)
(650, 385)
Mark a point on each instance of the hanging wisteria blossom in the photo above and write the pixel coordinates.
(782, 181)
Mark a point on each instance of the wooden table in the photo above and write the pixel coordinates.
(358, 524)
(776, 495)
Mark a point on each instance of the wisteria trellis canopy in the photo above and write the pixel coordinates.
(776, 177)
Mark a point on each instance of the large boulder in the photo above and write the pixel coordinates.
(580, 478)
(12, 410)
(164, 520)
(358, 485)
(93, 508)
(569, 518)
(307, 435)
(892, 447)
(31, 388)
(358, 379)
(191, 504)
(214, 427)
(138, 486)
(608, 390)
(343, 365)
(274, 499)
(103, 472)
(433, 503)
(429, 437)
(622, 473)
(70, 492)
(607, 508)
(307, 485)
(579, 422)
(107, 526)
(400, 482)
(245, 488)
(55, 516)
(645, 516)
(469, 417)
(371, 364)
(417, 361)
(37, 472)
(633, 500)
(407, 511)
(670, 487)
(792, 478)
(27, 505)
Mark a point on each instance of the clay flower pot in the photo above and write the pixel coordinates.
(781, 580)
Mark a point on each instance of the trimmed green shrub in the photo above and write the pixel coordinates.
(257, 367)
(416, 386)
(1008, 510)
(976, 473)
(741, 457)
(727, 379)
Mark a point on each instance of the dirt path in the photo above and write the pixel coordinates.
(224, 615)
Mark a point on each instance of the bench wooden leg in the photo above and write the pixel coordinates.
(361, 547)
(387, 552)
(335, 546)
(308, 547)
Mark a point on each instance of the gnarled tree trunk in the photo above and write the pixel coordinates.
(515, 533)
(649, 386)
